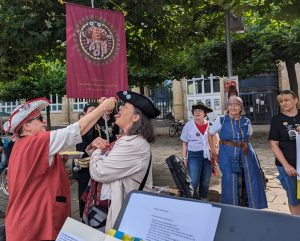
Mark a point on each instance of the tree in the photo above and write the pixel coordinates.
(162, 36)
(28, 28)
(39, 79)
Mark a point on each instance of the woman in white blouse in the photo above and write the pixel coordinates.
(195, 150)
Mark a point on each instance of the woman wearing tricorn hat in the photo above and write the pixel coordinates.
(126, 164)
(195, 149)
(39, 190)
(242, 179)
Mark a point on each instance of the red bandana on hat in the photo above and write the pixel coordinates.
(23, 113)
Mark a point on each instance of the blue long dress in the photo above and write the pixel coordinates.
(232, 160)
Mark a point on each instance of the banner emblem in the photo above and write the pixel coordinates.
(97, 40)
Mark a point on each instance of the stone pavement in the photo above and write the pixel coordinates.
(166, 146)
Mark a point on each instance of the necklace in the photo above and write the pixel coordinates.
(292, 115)
(200, 123)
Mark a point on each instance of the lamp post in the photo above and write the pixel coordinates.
(231, 24)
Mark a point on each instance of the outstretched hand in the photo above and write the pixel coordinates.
(108, 104)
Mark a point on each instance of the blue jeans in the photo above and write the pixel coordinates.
(200, 172)
(290, 186)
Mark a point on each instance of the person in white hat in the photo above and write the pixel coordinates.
(39, 190)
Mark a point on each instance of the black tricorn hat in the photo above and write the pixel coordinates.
(140, 101)
(201, 106)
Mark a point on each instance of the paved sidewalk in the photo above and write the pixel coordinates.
(166, 146)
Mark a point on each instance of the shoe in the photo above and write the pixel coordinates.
(2, 214)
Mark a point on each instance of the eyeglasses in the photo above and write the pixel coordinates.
(198, 111)
(234, 105)
(287, 92)
(40, 118)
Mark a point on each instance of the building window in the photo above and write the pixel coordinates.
(56, 103)
(216, 85)
(8, 107)
(191, 102)
(198, 85)
(208, 102)
(190, 87)
(78, 104)
(207, 87)
(216, 104)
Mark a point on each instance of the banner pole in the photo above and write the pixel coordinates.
(106, 127)
(92, 3)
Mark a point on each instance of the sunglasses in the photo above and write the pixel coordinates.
(287, 92)
(40, 118)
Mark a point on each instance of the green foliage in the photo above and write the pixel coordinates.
(28, 29)
(39, 79)
(165, 40)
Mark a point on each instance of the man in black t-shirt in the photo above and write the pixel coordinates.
(282, 138)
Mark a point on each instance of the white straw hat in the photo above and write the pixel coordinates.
(22, 111)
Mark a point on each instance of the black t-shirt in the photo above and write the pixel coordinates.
(83, 175)
(279, 131)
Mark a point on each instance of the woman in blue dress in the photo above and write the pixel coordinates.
(242, 179)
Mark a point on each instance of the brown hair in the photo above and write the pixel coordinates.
(142, 127)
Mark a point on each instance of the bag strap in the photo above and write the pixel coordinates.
(142, 185)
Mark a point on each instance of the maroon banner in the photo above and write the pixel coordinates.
(96, 52)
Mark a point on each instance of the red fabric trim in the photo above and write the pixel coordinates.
(201, 128)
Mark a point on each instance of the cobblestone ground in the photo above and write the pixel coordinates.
(166, 146)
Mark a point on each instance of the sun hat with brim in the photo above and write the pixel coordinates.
(201, 106)
(142, 102)
(21, 112)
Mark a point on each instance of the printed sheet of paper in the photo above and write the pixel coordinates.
(155, 218)
(77, 231)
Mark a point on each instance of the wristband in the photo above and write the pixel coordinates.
(184, 158)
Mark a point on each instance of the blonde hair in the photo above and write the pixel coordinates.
(288, 92)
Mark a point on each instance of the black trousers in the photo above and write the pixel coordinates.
(81, 187)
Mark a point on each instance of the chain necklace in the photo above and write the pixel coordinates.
(292, 115)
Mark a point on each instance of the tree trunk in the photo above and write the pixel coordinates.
(292, 76)
(142, 89)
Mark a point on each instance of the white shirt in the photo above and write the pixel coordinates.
(195, 139)
(63, 138)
